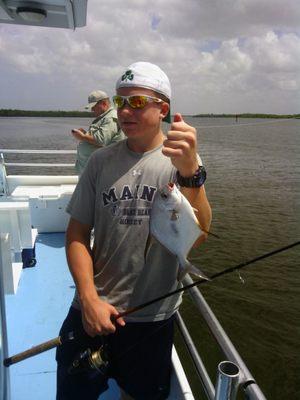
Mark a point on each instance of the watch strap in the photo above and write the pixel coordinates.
(195, 181)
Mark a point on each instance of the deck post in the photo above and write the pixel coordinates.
(4, 373)
(3, 182)
(227, 381)
(247, 381)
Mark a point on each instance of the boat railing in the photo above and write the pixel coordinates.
(36, 164)
(4, 372)
(246, 380)
(64, 173)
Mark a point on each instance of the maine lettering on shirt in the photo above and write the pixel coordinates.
(121, 207)
(144, 192)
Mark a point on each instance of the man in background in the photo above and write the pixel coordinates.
(103, 131)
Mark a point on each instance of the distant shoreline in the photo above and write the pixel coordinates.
(247, 115)
(83, 114)
(33, 113)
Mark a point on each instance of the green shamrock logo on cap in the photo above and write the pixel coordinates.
(127, 76)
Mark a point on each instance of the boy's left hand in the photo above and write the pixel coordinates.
(181, 146)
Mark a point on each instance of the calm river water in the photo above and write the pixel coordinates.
(254, 189)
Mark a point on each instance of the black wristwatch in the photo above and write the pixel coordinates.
(195, 181)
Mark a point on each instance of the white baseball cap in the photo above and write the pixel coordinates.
(94, 97)
(146, 75)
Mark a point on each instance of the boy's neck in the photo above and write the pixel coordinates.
(144, 144)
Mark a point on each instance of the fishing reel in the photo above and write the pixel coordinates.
(90, 360)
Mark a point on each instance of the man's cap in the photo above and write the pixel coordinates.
(146, 75)
(94, 97)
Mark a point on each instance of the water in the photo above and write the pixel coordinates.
(40, 133)
(254, 189)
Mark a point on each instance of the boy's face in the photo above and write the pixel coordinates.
(137, 123)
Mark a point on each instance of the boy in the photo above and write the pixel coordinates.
(114, 197)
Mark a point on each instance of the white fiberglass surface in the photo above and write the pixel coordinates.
(35, 314)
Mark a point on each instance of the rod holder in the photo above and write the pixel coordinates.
(227, 381)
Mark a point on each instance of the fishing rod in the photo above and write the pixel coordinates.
(201, 281)
(94, 359)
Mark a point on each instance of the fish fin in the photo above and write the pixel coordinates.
(191, 269)
(206, 231)
(209, 233)
(202, 229)
(150, 241)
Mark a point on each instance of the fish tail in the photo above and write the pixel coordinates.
(189, 268)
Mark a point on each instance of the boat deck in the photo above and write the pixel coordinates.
(34, 315)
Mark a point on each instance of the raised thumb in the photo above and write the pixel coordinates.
(177, 117)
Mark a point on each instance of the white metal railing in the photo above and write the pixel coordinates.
(9, 182)
(37, 164)
(17, 151)
(4, 373)
(246, 380)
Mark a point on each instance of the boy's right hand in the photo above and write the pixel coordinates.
(98, 316)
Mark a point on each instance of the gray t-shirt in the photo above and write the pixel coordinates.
(114, 195)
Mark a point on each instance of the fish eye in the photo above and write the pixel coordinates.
(164, 195)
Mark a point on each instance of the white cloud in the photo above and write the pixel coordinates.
(221, 56)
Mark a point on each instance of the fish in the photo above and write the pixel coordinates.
(174, 225)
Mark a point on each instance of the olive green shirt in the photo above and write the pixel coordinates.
(105, 130)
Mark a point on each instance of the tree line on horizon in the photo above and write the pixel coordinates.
(247, 115)
(82, 114)
(42, 113)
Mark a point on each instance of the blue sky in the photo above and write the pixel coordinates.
(228, 56)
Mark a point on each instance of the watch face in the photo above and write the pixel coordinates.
(194, 181)
(201, 175)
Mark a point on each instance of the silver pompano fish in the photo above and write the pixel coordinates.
(174, 225)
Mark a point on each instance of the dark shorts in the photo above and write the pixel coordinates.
(139, 360)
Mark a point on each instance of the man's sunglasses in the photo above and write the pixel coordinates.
(136, 101)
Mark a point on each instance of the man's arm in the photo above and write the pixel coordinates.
(104, 131)
(84, 136)
(96, 314)
(181, 147)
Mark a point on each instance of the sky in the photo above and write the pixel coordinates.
(221, 56)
